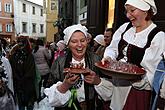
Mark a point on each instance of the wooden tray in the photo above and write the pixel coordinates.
(108, 70)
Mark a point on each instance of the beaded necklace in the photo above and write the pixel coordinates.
(20, 56)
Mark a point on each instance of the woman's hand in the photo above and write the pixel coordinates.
(162, 90)
(106, 59)
(92, 78)
(70, 79)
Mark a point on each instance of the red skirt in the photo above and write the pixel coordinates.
(138, 100)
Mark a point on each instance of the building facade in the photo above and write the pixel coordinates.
(7, 30)
(99, 14)
(51, 10)
(82, 12)
(29, 19)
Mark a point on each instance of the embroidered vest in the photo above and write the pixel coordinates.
(134, 53)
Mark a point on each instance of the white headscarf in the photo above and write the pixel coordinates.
(144, 5)
(100, 39)
(71, 29)
(61, 44)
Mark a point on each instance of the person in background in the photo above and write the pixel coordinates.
(89, 38)
(7, 100)
(4, 45)
(52, 50)
(24, 73)
(60, 49)
(42, 58)
(89, 41)
(158, 95)
(108, 33)
(71, 91)
(141, 43)
(99, 43)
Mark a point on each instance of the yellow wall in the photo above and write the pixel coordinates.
(51, 17)
(111, 13)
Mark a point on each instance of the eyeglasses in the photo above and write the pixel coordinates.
(130, 11)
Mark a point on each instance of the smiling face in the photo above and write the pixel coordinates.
(78, 45)
(107, 37)
(136, 16)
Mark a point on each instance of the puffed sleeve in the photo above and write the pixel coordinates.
(104, 89)
(56, 98)
(112, 50)
(153, 54)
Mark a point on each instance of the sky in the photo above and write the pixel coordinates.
(40, 2)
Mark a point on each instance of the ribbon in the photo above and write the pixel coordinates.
(73, 99)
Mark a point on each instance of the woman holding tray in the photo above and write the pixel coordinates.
(139, 42)
(74, 91)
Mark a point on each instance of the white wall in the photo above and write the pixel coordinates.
(20, 16)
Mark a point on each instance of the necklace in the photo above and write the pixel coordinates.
(20, 56)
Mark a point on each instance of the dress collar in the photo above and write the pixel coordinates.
(75, 61)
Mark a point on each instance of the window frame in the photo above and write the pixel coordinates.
(24, 27)
(41, 12)
(33, 10)
(9, 28)
(24, 7)
(0, 6)
(34, 27)
(41, 28)
(1, 28)
(8, 8)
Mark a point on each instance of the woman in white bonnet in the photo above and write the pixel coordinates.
(72, 91)
(139, 42)
(99, 45)
(60, 49)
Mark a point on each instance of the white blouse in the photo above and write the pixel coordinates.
(8, 70)
(149, 62)
(59, 99)
(152, 54)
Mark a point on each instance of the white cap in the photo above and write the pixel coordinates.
(144, 5)
(71, 29)
(61, 44)
(100, 39)
(52, 45)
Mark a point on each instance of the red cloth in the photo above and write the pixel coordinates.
(138, 100)
(58, 53)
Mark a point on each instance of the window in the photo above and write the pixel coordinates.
(41, 12)
(33, 10)
(24, 7)
(24, 27)
(41, 28)
(0, 7)
(33, 27)
(0, 27)
(54, 5)
(8, 8)
(8, 28)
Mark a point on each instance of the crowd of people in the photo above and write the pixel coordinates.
(30, 71)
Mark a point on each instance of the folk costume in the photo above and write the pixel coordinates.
(24, 73)
(143, 50)
(81, 96)
(7, 99)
